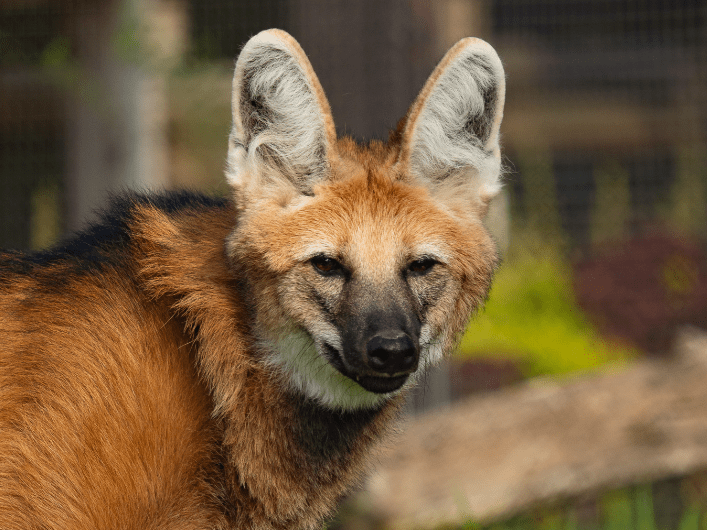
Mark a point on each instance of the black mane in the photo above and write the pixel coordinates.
(103, 242)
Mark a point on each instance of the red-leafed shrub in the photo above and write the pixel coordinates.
(644, 289)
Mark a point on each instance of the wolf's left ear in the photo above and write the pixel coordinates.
(282, 131)
(449, 139)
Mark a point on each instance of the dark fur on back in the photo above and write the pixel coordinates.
(105, 240)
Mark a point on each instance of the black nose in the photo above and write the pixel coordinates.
(391, 353)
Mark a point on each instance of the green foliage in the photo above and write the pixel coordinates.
(617, 511)
(532, 317)
(625, 509)
(57, 53)
(645, 517)
(691, 519)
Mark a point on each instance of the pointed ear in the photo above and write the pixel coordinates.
(282, 131)
(449, 139)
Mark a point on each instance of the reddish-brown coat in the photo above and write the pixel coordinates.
(137, 386)
(105, 408)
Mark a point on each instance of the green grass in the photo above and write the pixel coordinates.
(624, 509)
(532, 317)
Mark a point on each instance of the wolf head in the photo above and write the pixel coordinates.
(363, 263)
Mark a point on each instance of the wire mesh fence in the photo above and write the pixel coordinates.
(592, 85)
(603, 134)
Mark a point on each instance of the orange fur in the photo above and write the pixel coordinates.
(144, 372)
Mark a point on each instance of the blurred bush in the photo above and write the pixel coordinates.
(532, 317)
(643, 289)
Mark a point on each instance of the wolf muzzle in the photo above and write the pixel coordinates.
(381, 346)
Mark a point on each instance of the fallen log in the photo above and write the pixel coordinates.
(494, 455)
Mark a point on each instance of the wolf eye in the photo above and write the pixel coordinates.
(326, 266)
(422, 265)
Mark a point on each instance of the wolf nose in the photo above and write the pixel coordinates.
(391, 353)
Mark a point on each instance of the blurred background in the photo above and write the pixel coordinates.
(603, 221)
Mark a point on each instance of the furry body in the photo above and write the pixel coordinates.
(198, 363)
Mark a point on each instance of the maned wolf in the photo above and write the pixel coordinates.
(191, 362)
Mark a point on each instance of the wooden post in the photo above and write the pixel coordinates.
(117, 118)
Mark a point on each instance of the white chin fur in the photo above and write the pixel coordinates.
(308, 372)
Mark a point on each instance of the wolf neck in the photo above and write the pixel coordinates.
(293, 458)
(286, 456)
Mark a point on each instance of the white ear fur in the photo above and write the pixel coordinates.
(282, 125)
(450, 136)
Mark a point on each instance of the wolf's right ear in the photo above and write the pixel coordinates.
(450, 138)
(283, 132)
